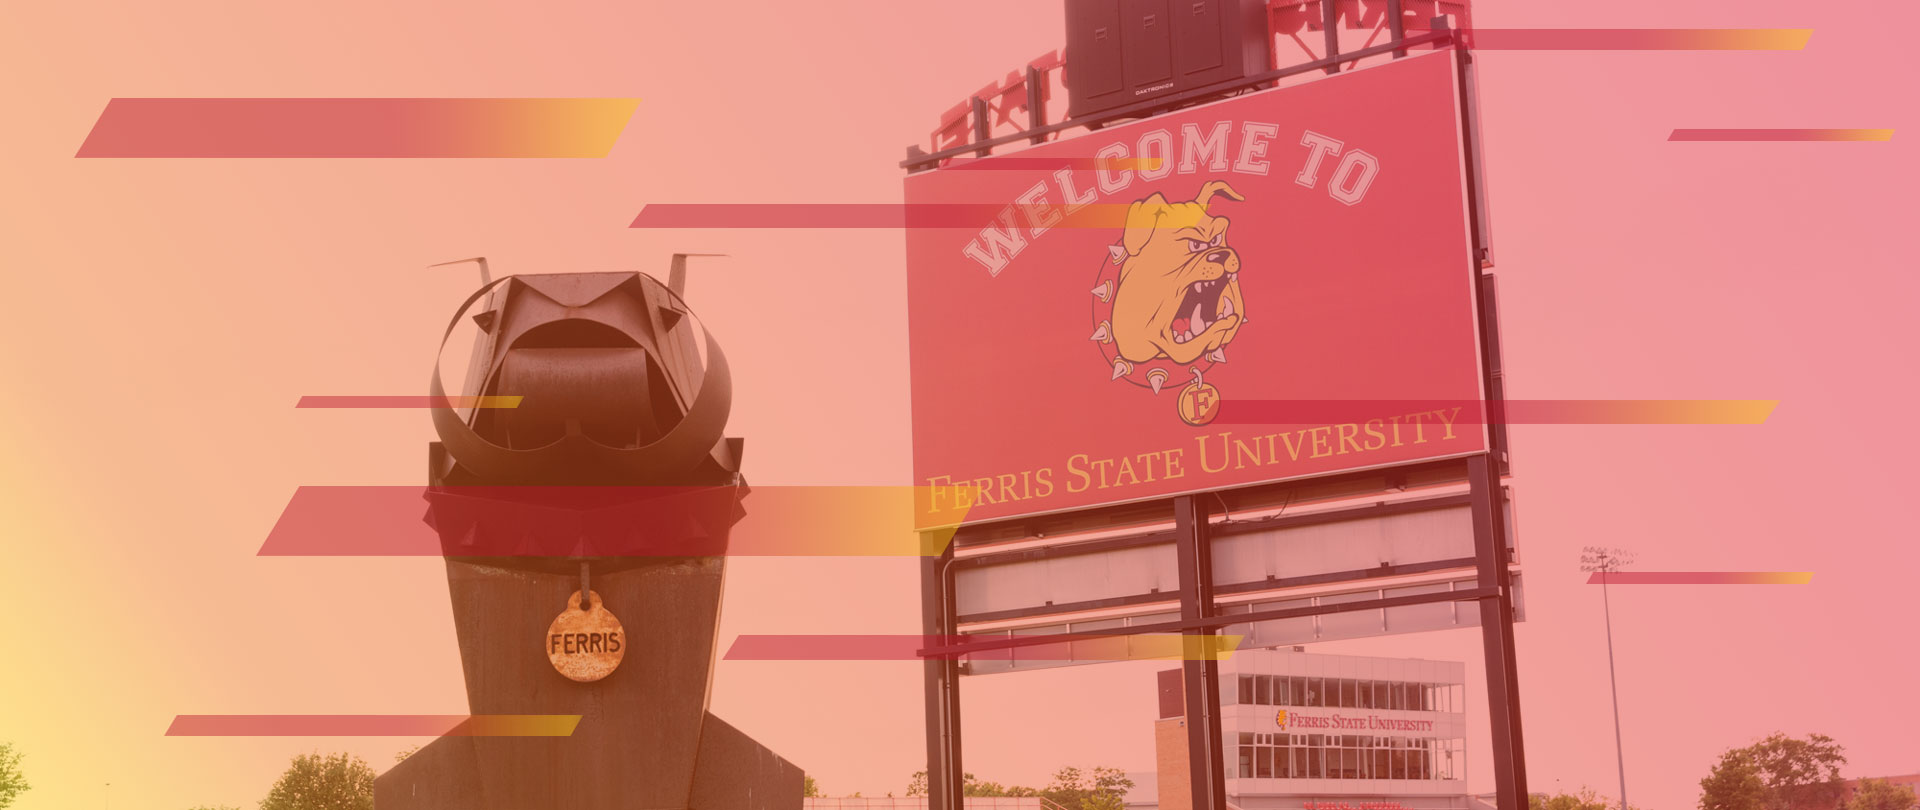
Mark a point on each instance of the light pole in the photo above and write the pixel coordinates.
(1607, 561)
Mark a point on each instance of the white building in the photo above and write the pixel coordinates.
(1327, 732)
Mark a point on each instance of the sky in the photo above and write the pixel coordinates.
(162, 317)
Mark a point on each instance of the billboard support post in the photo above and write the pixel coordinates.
(982, 126)
(1036, 102)
(945, 779)
(1200, 672)
(1330, 23)
(1496, 634)
(1483, 474)
(1396, 26)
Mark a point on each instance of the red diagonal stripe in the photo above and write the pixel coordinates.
(392, 521)
(1823, 135)
(1701, 578)
(1638, 39)
(1440, 412)
(357, 128)
(372, 725)
(816, 215)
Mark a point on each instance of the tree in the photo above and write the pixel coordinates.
(314, 782)
(1098, 789)
(12, 781)
(1777, 773)
(1068, 783)
(809, 788)
(1586, 799)
(1880, 794)
(970, 786)
(1072, 788)
(974, 787)
(402, 756)
(1734, 784)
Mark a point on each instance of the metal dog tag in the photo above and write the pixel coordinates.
(585, 645)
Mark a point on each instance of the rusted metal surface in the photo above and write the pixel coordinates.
(736, 773)
(585, 644)
(569, 332)
(640, 726)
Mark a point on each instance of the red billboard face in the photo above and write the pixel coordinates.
(1303, 243)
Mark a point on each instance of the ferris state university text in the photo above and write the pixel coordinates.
(1213, 453)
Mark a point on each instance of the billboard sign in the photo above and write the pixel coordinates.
(1308, 242)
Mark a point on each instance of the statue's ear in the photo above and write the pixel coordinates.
(1142, 217)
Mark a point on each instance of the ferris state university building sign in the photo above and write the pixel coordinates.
(1291, 719)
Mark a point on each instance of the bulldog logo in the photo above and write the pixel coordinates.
(1167, 298)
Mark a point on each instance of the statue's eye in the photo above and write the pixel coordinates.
(1195, 246)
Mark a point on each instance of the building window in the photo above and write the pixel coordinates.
(1246, 689)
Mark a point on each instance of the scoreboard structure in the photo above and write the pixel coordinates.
(1223, 361)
